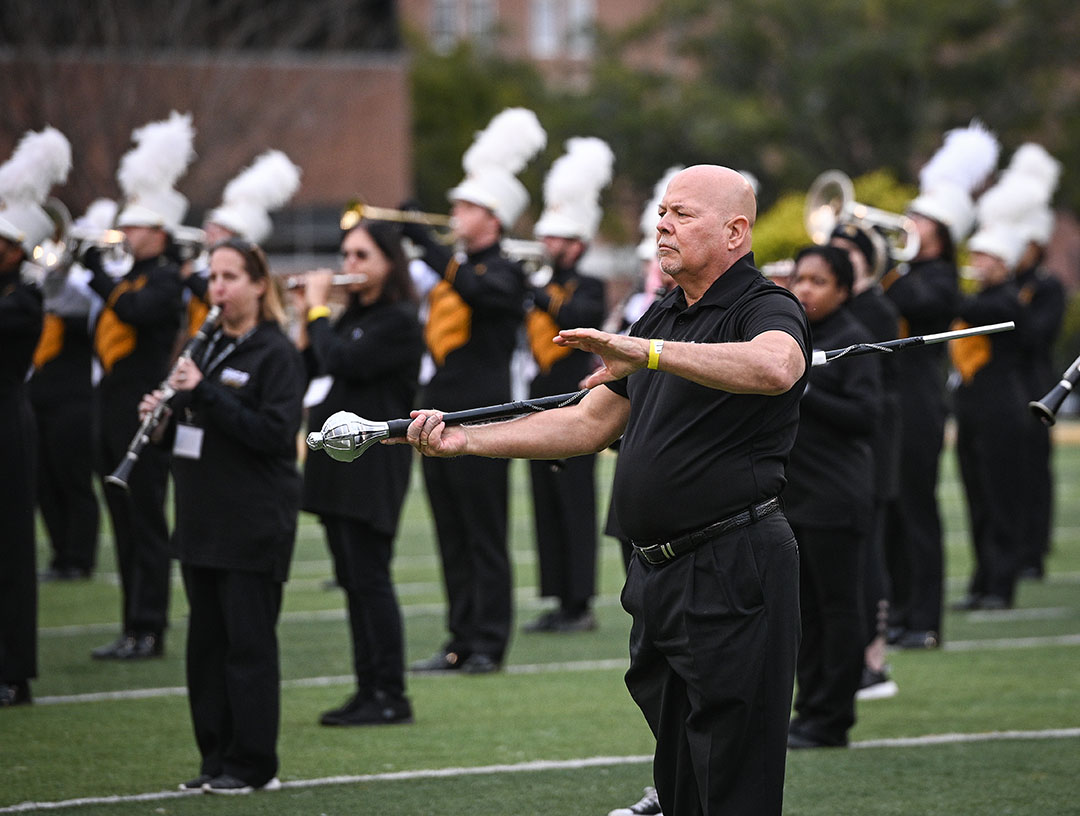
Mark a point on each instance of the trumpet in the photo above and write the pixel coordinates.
(357, 211)
(341, 279)
(532, 256)
(831, 201)
(190, 243)
(122, 473)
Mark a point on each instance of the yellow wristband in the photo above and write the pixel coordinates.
(315, 312)
(655, 347)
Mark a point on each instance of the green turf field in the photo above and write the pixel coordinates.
(990, 725)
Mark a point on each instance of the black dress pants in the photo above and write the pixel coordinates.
(138, 519)
(18, 575)
(564, 506)
(712, 665)
(469, 499)
(233, 673)
(833, 632)
(66, 496)
(362, 567)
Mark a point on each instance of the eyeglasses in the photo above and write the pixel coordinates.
(359, 254)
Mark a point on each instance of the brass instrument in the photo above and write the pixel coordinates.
(122, 473)
(190, 243)
(831, 201)
(357, 211)
(58, 252)
(532, 256)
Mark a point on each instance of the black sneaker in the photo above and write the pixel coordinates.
(480, 664)
(15, 694)
(647, 805)
(548, 622)
(918, 639)
(196, 784)
(231, 785)
(377, 710)
(352, 704)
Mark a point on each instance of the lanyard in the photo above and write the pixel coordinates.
(206, 367)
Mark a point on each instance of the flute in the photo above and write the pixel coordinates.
(120, 476)
(298, 282)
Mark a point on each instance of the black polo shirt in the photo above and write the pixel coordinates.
(691, 455)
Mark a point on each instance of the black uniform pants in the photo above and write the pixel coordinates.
(66, 496)
(989, 447)
(712, 666)
(833, 632)
(564, 506)
(1038, 486)
(138, 518)
(468, 498)
(18, 574)
(233, 673)
(914, 544)
(362, 568)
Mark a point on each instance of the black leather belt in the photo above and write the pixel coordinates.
(666, 551)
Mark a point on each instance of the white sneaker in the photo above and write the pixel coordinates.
(647, 805)
(876, 685)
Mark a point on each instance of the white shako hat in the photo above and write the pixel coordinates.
(266, 185)
(646, 249)
(40, 161)
(1033, 163)
(1001, 240)
(572, 190)
(148, 171)
(949, 180)
(499, 152)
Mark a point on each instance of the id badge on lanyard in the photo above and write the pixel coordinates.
(188, 443)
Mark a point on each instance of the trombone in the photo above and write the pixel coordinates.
(831, 201)
(357, 211)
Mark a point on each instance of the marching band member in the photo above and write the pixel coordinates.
(474, 314)
(134, 340)
(372, 353)
(868, 254)
(266, 185)
(990, 418)
(925, 293)
(40, 160)
(62, 393)
(564, 498)
(829, 499)
(233, 429)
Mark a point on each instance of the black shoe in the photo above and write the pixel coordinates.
(918, 639)
(1034, 572)
(480, 664)
(15, 694)
(196, 784)
(351, 705)
(993, 603)
(893, 634)
(131, 647)
(439, 662)
(378, 710)
(548, 622)
(111, 651)
(230, 784)
(801, 738)
(581, 622)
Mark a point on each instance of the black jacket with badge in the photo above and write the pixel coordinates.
(570, 301)
(237, 503)
(373, 353)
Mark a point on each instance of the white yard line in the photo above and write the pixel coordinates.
(533, 767)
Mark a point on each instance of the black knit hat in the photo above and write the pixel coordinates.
(861, 239)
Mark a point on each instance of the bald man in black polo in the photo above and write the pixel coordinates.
(704, 392)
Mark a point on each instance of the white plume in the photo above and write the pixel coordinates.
(268, 183)
(162, 154)
(966, 159)
(41, 160)
(1032, 160)
(509, 142)
(580, 173)
(1010, 200)
(101, 214)
(650, 216)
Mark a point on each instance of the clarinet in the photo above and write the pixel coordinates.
(120, 476)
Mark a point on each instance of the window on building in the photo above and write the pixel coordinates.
(444, 25)
(581, 28)
(562, 28)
